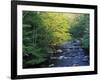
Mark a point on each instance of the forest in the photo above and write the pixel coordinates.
(46, 33)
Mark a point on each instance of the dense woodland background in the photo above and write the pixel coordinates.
(45, 31)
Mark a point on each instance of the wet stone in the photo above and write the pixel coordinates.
(72, 55)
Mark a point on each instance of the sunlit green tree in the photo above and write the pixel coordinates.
(41, 29)
(57, 24)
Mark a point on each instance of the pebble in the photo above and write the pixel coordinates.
(61, 57)
(51, 65)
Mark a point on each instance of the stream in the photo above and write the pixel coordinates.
(72, 55)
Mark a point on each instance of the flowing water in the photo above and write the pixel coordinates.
(72, 55)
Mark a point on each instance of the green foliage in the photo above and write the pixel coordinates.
(41, 29)
(85, 38)
(34, 39)
(80, 29)
(85, 41)
(57, 25)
